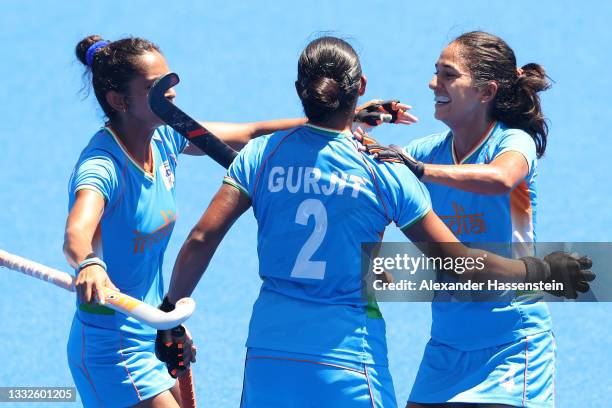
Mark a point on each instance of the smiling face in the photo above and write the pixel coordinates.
(151, 66)
(457, 99)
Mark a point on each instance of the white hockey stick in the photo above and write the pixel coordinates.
(117, 301)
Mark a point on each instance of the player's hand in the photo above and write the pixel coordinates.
(389, 154)
(90, 284)
(377, 111)
(572, 270)
(365, 142)
(175, 348)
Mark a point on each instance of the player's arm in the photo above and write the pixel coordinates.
(434, 238)
(79, 237)
(239, 134)
(195, 254)
(500, 176)
(81, 225)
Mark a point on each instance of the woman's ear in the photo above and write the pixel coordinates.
(117, 101)
(488, 92)
(362, 85)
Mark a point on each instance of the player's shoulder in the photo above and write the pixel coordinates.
(282, 135)
(170, 139)
(395, 175)
(252, 156)
(267, 143)
(502, 132)
(428, 144)
(102, 143)
(255, 146)
(164, 134)
(408, 197)
(102, 148)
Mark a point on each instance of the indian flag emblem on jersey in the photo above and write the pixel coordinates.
(167, 175)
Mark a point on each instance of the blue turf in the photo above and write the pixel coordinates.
(237, 61)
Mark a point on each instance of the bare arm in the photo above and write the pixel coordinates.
(197, 251)
(80, 239)
(81, 226)
(239, 134)
(434, 238)
(498, 177)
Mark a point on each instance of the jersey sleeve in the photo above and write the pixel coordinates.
(515, 140)
(423, 149)
(242, 172)
(95, 173)
(413, 150)
(176, 140)
(408, 196)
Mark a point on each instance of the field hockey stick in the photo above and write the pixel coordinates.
(186, 388)
(120, 302)
(184, 124)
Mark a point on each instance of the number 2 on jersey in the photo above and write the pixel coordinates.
(304, 267)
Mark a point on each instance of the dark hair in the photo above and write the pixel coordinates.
(517, 103)
(113, 66)
(328, 80)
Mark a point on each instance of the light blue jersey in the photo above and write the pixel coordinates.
(139, 216)
(479, 218)
(112, 357)
(316, 198)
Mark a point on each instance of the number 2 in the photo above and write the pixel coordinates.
(304, 267)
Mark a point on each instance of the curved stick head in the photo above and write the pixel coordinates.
(165, 82)
(186, 306)
(157, 99)
(183, 311)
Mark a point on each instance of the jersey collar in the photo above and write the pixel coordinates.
(327, 131)
(478, 145)
(151, 175)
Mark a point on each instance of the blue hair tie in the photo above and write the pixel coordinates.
(91, 51)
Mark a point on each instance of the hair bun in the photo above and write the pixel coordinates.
(534, 77)
(328, 79)
(324, 92)
(83, 46)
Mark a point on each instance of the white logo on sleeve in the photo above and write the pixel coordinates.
(167, 175)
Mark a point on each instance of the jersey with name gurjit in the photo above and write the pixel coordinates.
(484, 219)
(138, 219)
(316, 198)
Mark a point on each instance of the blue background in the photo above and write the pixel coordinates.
(237, 61)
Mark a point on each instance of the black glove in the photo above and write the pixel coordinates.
(377, 113)
(169, 344)
(395, 154)
(573, 271)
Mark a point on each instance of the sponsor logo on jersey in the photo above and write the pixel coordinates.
(143, 241)
(461, 223)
